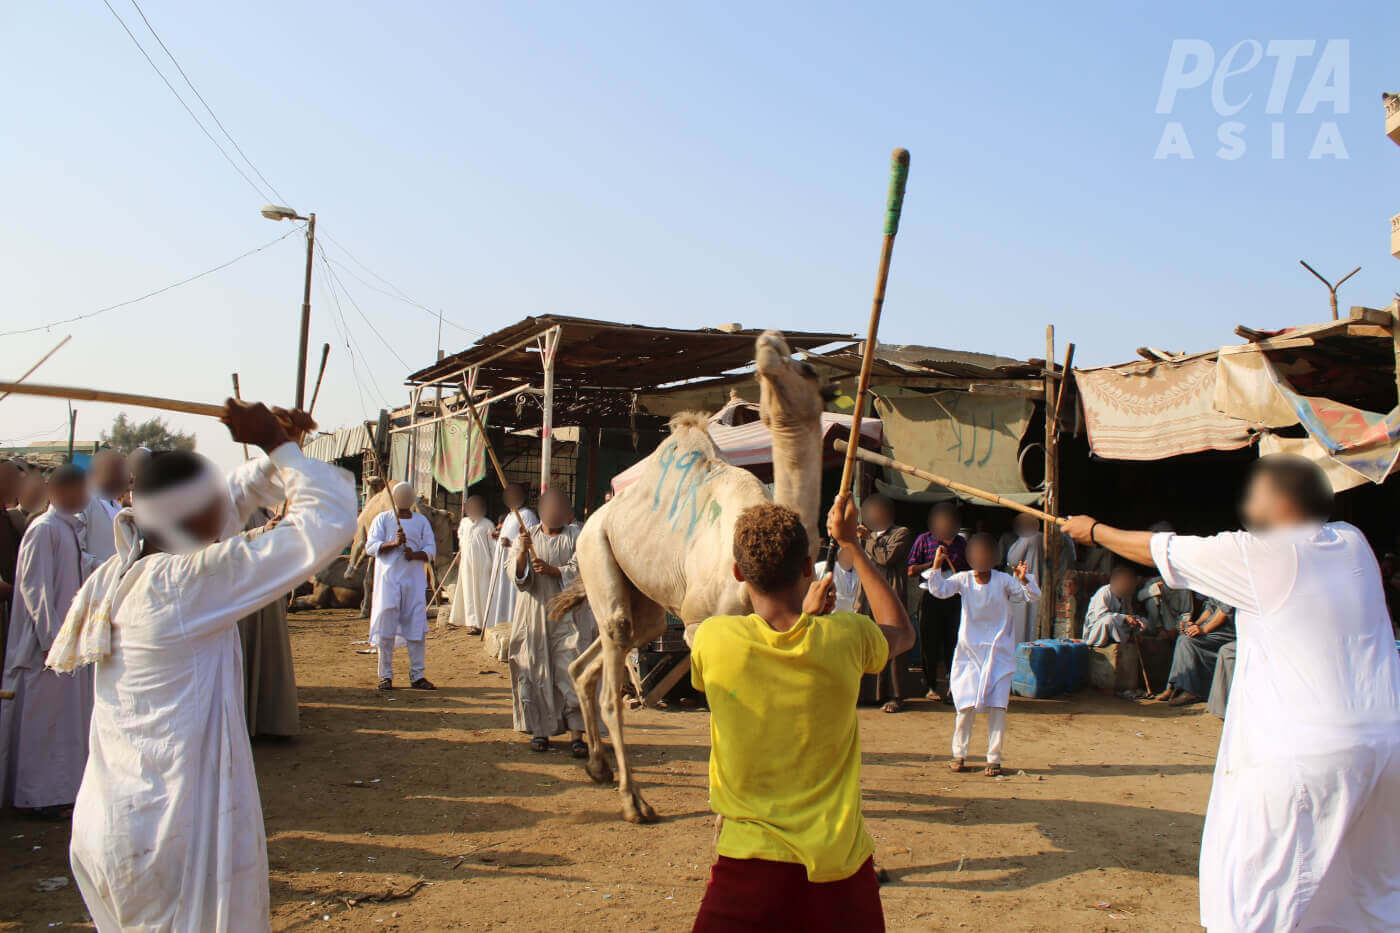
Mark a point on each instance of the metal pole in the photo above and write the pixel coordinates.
(305, 332)
(551, 346)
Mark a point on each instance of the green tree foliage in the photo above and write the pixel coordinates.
(127, 435)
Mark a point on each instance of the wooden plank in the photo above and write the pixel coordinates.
(992, 388)
(1369, 330)
(664, 686)
(1363, 315)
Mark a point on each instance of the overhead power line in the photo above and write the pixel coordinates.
(151, 294)
(202, 128)
(217, 122)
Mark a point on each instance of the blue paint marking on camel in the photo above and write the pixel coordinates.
(693, 474)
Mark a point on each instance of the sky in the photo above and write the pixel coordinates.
(682, 165)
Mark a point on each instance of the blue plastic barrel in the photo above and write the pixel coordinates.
(1078, 651)
(1037, 671)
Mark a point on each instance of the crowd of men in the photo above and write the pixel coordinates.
(147, 639)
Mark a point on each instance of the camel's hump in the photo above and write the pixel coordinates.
(690, 430)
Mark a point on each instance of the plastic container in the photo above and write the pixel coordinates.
(1079, 662)
(1038, 675)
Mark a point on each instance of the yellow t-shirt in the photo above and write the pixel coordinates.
(784, 740)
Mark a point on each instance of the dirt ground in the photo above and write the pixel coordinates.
(1096, 827)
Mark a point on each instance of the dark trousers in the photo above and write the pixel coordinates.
(938, 634)
(753, 895)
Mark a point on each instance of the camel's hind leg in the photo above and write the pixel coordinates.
(587, 673)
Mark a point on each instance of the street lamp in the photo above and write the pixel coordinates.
(279, 212)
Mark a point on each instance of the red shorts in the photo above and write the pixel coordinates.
(756, 894)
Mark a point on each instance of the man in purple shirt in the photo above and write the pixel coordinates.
(938, 618)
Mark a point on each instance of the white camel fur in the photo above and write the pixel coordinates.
(665, 544)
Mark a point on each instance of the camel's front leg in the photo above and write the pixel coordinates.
(587, 671)
(634, 808)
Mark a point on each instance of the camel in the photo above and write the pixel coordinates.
(665, 544)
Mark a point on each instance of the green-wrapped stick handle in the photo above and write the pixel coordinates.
(899, 175)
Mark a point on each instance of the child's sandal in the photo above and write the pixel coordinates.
(994, 771)
(956, 765)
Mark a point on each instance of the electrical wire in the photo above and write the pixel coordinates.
(349, 334)
(398, 293)
(152, 294)
(202, 128)
(217, 122)
(356, 305)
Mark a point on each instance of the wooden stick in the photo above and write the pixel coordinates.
(500, 473)
(42, 360)
(1064, 378)
(869, 456)
(894, 207)
(115, 398)
(320, 374)
(239, 395)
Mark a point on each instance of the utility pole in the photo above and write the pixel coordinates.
(305, 334)
(72, 429)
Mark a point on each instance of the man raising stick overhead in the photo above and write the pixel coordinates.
(168, 830)
(1305, 808)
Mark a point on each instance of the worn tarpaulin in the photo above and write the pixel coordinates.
(1155, 410)
(458, 438)
(973, 439)
(1363, 441)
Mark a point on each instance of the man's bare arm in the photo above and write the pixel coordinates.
(1135, 546)
(886, 608)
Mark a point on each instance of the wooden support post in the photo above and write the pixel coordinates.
(1049, 581)
(549, 345)
(468, 391)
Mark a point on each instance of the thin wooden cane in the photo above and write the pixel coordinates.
(239, 395)
(870, 456)
(894, 206)
(42, 360)
(320, 374)
(79, 394)
(500, 473)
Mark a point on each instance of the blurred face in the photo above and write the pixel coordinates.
(207, 526)
(1264, 508)
(514, 496)
(70, 496)
(10, 477)
(1027, 527)
(981, 556)
(403, 497)
(1122, 583)
(876, 515)
(33, 493)
(555, 511)
(944, 524)
(476, 508)
(109, 474)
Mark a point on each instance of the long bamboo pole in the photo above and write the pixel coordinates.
(894, 207)
(77, 393)
(320, 374)
(238, 394)
(500, 472)
(42, 360)
(869, 456)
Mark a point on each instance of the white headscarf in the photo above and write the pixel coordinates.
(86, 634)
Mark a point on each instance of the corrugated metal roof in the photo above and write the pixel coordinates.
(347, 442)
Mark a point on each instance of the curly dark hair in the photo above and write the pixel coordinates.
(770, 546)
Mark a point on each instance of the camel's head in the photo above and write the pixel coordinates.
(789, 390)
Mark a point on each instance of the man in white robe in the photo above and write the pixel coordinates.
(44, 729)
(500, 606)
(402, 543)
(1304, 810)
(1110, 619)
(108, 482)
(544, 701)
(985, 657)
(474, 552)
(168, 829)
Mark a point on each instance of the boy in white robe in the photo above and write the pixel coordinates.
(168, 829)
(1110, 618)
(1304, 812)
(402, 543)
(985, 657)
(500, 608)
(44, 729)
(844, 581)
(108, 482)
(474, 548)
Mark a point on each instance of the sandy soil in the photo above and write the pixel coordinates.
(1097, 826)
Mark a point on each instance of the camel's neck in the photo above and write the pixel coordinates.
(797, 475)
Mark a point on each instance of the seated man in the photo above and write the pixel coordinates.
(1220, 683)
(1193, 665)
(1167, 611)
(1109, 618)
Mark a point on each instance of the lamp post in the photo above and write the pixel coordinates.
(278, 212)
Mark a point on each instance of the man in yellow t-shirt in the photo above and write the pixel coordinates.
(782, 683)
